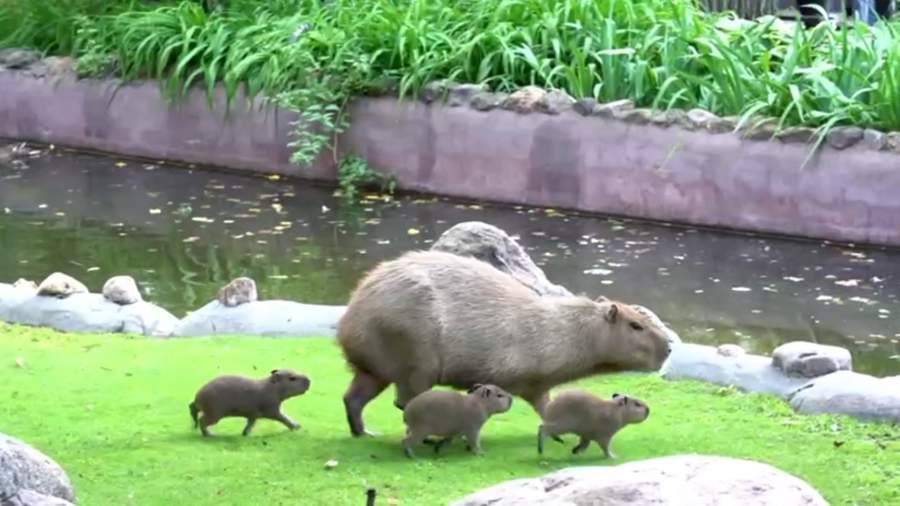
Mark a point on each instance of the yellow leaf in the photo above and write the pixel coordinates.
(413, 231)
(273, 177)
(121, 164)
(155, 211)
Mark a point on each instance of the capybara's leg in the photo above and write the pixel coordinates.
(412, 437)
(440, 443)
(411, 386)
(206, 420)
(286, 420)
(581, 446)
(250, 423)
(363, 389)
(473, 438)
(540, 439)
(604, 443)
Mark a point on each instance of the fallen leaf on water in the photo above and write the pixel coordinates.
(740, 289)
(7, 210)
(191, 239)
(598, 272)
(413, 231)
(273, 177)
(277, 276)
(154, 211)
(92, 269)
(121, 164)
(795, 279)
(277, 207)
(42, 206)
(847, 282)
(202, 219)
(325, 209)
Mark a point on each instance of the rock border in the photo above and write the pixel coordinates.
(539, 148)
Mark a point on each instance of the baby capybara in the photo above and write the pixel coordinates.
(450, 414)
(590, 417)
(248, 398)
(433, 318)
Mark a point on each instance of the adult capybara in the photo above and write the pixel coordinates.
(433, 318)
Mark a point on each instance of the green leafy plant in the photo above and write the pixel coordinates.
(355, 175)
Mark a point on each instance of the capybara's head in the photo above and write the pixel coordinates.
(633, 410)
(494, 399)
(636, 342)
(288, 383)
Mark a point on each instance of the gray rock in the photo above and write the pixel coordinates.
(848, 393)
(25, 497)
(239, 291)
(269, 318)
(461, 95)
(84, 312)
(485, 101)
(811, 360)
(751, 373)
(722, 125)
(762, 130)
(803, 135)
(730, 350)
(873, 139)
(698, 480)
(436, 90)
(892, 142)
(635, 116)
(18, 58)
(844, 137)
(60, 285)
(23, 467)
(494, 246)
(25, 284)
(585, 106)
(526, 100)
(699, 119)
(676, 117)
(612, 109)
(661, 119)
(122, 290)
(557, 101)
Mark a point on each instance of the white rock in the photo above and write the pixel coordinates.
(122, 290)
(25, 284)
(811, 360)
(730, 350)
(682, 480)
(849, 393)
(60, 285)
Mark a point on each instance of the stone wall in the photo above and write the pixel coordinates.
(531, 148)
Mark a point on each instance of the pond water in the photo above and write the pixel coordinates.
(183, 232)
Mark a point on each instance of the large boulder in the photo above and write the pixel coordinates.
(682, 479)
(849, 393)
(84, 312)
(25, 468)
(494, 246)
(25, 497)
(270, 318)
(811, 360)
(751, 373)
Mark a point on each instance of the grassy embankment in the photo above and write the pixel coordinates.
(113, 411)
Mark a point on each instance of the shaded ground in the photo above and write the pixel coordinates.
(112, 410)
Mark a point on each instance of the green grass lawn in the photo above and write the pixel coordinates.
(112, 410)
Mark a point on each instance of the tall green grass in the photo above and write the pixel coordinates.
(659, 53)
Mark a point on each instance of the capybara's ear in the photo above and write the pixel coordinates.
(615, 395)
(622, 400)
(275, 377)
(474, 387)
(612, 313)
(486, 392)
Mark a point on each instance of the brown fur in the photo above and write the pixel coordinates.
(449, 414)
(238, 396)
(591, 418)
(433, 318)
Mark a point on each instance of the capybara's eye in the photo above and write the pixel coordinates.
(637, 326)
(293, 378)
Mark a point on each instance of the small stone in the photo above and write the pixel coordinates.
(803, 135)
(526, 100)
(240, 291)
(761, 130)
(486, 101)
(585, 106)
(18, 58)
(810, 360)
(699, 119)
(331, 464)
(635, 116)
(611, 109)
(462, 94)
(844, 137)
(892, 143)
(873, 139)
(730, 350)
(557, 101)
(122, 290)
(676, 117)
(661, 119)
(722, 125)
(25, 284)
(60, 285)
(436, 90)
